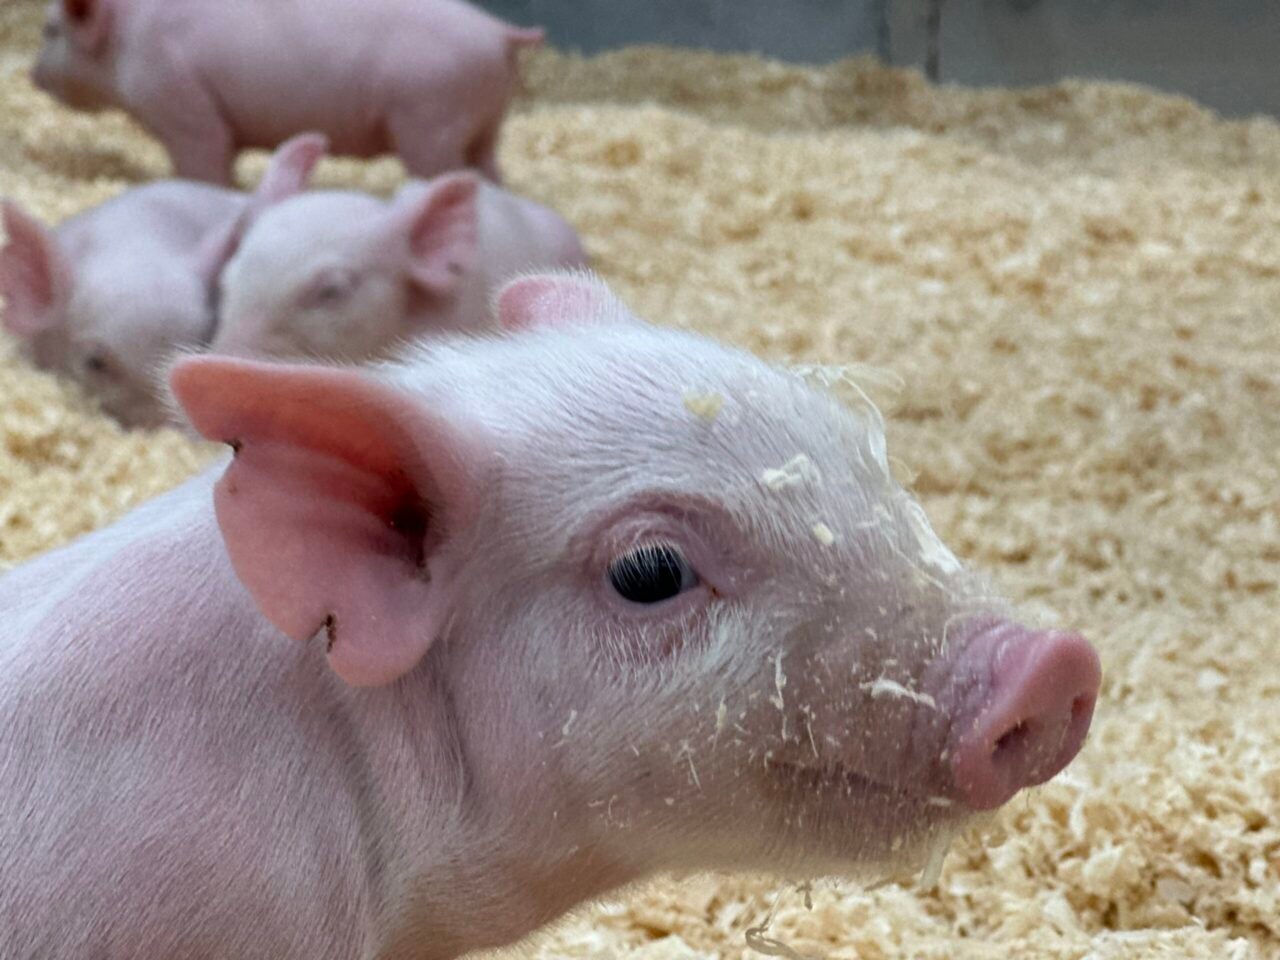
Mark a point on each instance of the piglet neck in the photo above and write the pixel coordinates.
(430, 314)
(478, 865)
(493, 900)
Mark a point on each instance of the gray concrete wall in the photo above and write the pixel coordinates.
(1224, 53)
(806, 31)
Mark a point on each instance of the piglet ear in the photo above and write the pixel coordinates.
(289, 171)
(340, 505)
(442, 224)
(219, 245)
(558, 300)
(33, 273)
(89, 23)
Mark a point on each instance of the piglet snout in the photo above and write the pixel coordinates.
(1032, 721)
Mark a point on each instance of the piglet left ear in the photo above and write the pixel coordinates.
(33, 273)
(219, 245)
(289, 171)
(442, 225)
(340, 506)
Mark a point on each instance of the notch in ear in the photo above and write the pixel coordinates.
(340, 504)
(89, 22)
(442, 226)
(548, 300)
(34, 275)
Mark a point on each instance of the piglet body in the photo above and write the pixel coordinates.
(349, 276)
(130, 796)
(105, 296)
(427, 79)
(574, 605)
(112, 293)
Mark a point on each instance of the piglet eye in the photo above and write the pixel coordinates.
(329, 290)
(96, 363)
(652, 574)
(330, 293)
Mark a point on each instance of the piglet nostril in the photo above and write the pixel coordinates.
(1014, 740)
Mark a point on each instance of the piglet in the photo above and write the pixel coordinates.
(345, 275)
(429, 80)
(110, 294)
(572, 605)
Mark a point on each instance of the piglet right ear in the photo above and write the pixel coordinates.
(558, 300)
(33, 273)
(289, 171)
(441, 225)
(340, 506)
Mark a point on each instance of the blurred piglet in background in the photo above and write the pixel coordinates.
(429, 80)
(575, 605)
(109, 295)
(348, 276)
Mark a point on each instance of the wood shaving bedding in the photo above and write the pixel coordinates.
(1076, 291)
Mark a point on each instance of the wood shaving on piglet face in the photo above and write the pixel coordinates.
(742, 720)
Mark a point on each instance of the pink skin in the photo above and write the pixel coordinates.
(476, 730)
(347, 276)
(109, 296)
(429, 80)
(1035, 723)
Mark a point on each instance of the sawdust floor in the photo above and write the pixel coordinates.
(1074, 295)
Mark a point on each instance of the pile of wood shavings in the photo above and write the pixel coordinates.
(1079, 290)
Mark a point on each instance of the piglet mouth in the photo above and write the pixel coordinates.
(837, 780)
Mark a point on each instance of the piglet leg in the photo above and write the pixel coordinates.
(183, 116)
